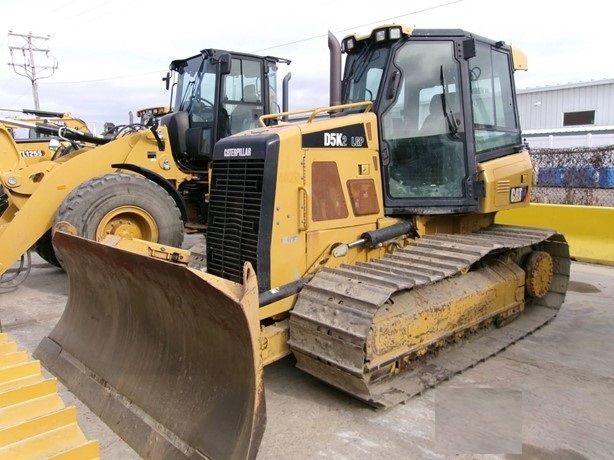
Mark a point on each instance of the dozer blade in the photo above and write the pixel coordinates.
(165, 355)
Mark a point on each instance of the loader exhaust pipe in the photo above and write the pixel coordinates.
(286, 94)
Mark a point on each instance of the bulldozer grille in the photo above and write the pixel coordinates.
(234, 215)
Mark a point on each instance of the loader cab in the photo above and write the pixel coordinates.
(216, 94)
(445, 101)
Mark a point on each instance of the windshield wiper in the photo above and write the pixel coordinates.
(187, 96)
(453, 125)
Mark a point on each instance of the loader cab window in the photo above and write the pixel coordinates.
(202, 103)
(492, 99)
(196, 90)
(196, 95)
(186, 82)
(424, 127)
(243, 98)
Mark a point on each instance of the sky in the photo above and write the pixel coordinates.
(107, 58)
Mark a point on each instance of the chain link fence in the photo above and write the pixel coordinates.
(580, 176)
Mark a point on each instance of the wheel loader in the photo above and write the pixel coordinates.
(361, 240)
(147, 181)
(35, 146)
(31, 146)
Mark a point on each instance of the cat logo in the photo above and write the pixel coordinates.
(518, 194)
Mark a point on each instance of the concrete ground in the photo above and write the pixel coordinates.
(550, 396)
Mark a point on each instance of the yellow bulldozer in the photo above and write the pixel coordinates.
(360, 239)
(156, 173)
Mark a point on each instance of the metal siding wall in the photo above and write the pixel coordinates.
(603, 100)
(569, 140)
(544, 109)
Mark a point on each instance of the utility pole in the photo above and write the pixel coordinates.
(27, 68)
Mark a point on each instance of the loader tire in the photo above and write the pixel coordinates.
(44, 248)
(126, 205)
(4, 202)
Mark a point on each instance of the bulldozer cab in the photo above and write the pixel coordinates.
(218, 93)
(445, 103)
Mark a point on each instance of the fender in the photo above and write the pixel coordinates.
(161, 181)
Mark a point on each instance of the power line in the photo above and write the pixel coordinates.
(259, 51)
(381, 21)
(94, 80)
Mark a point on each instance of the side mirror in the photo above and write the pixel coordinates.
(225, 63)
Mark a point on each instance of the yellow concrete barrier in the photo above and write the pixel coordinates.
(589, 230)
(34, 421)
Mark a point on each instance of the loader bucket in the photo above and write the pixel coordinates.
(165, 355)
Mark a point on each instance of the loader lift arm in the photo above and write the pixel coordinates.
(70, 134)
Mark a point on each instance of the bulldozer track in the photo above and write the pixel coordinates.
(336, 311)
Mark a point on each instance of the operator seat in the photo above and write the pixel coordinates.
(245, 116)
(435, 121)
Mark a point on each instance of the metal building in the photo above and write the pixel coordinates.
(570, 115)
